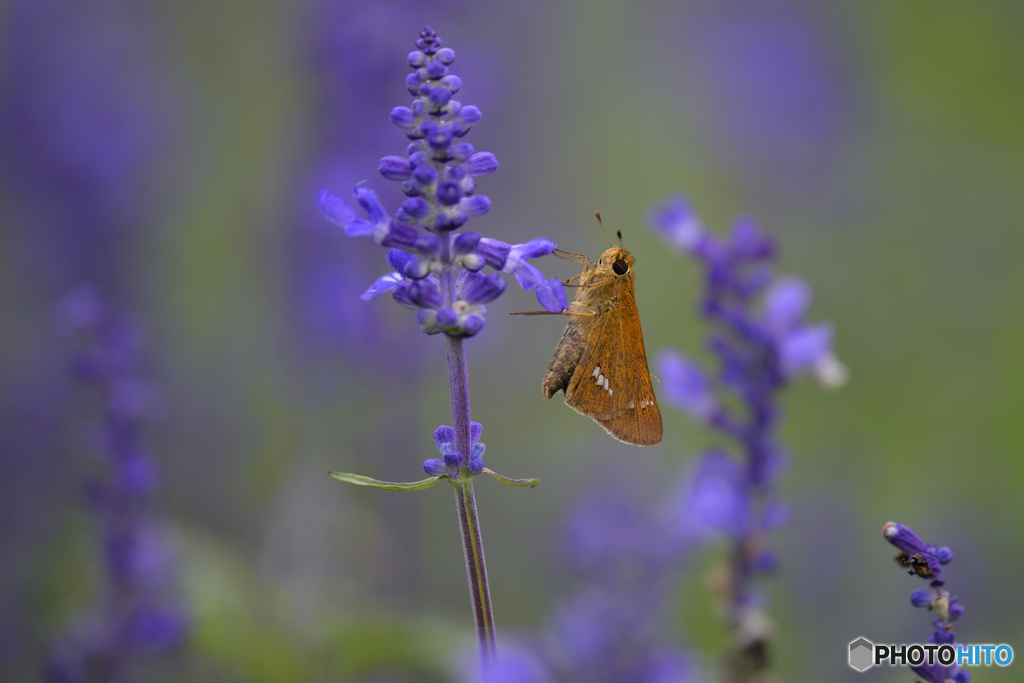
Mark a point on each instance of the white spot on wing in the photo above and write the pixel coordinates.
(597, 371)
(600, 379)
(606, 384)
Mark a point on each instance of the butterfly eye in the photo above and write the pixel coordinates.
(620, 267)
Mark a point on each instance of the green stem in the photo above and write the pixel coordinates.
(476, 570)
(469, 521)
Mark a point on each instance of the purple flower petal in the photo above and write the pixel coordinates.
(518, 254)
(903, 537)
(527, 275)
(685, 386)
(922, 598)
(477, 205)
(551, 295)
(481, 163)
(477, 288)
(385, 283)
(425, 294)
(81, 309)
(677, 223)
(719, 497)
(495, 252)
(415, 207)
(470, 115)
(453, 460)
(802, 350)
(395, 168)
(786, 303)
(465, 243)
(397, 259)
(443, 435)
(402, 117)
(435, 467)
(367, 198)
(447, 318)
(335, 209)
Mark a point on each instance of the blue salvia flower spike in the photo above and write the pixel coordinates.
(137, 620)
(926, 561)
(760, 341)
(438, 271)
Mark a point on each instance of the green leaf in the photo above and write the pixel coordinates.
(511, 482)
(360, 480)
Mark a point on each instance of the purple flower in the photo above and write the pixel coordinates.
(760, 341)
(139, 620)
(720, 497)
(83, 117)
(614, 541)
(438, 271)
(903, 537)
(678, 224)
(437, 175)
(803, 348)
(686, 387)
(608, 636)
(451, 461)
(626, 556)
(936, 673)
(513, 665)
(765, 87)
(924, 560)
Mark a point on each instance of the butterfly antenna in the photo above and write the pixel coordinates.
(619, 234)
(601, 223)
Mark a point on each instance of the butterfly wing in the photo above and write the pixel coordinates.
(611, 382)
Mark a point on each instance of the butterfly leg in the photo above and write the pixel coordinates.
(575, 258)
(575, 314)
(574, 277)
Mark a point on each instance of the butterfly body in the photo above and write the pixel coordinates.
(600, 363)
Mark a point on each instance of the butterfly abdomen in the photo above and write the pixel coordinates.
(565, 359)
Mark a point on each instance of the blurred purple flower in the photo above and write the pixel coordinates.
(720, 498)
(686, 387)
(515, 663)
(85, 117)
(140, 615)
(84, 113)
(760, 341)
(626, 556)
(677, 223)
(772, 91)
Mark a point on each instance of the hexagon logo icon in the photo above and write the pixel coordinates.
(862, 653)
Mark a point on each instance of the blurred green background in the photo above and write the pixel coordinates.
(881, 143)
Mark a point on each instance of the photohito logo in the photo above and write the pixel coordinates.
(864, 654)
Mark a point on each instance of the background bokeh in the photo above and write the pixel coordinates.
(170, 153)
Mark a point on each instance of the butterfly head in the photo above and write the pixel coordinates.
(618, 260)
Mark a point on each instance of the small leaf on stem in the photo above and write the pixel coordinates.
(511, 482)
(360, 480)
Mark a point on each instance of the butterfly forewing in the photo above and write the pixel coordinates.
(600, 362)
